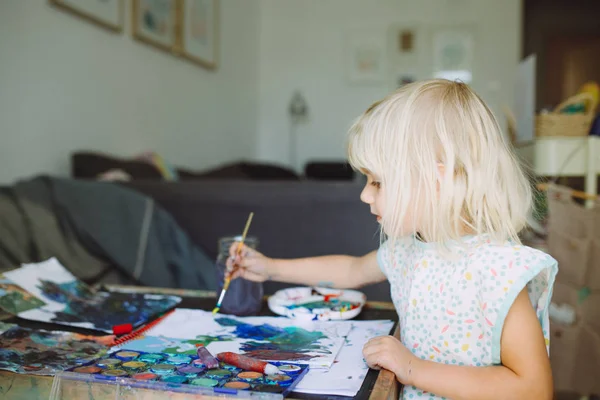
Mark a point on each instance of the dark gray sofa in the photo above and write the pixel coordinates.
(291, 218)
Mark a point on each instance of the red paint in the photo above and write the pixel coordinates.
(122, 329)
(244, 362)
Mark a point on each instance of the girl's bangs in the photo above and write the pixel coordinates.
(364, 154)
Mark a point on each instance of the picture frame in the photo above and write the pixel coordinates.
(453, 53)
(199, 26)
(108, 14)
(157, 23)
(365, 57)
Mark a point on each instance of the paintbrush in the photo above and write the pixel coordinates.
(248, 363)
(227, 279)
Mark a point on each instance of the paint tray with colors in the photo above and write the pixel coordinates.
(186, 373)
(317, 303)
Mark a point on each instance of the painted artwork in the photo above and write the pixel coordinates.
(200, 28)
(267, 338)
(154, 22)
(40, 352)
(105, 13)
(162, 344)
(71, 302)
(14, 299)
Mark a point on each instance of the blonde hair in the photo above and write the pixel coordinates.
(437, 147)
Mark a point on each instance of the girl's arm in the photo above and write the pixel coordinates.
(337, 271)
(525, 372)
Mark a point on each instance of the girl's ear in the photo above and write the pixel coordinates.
(441, 170)
(440, 173)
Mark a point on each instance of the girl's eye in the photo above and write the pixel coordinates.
(376, 184)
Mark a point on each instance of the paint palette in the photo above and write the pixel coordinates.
(184, 373)
(315, 303)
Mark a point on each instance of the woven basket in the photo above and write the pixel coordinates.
(559, 124)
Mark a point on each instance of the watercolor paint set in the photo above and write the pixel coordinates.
(184, 373)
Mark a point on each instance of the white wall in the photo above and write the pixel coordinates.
(67, 85)
(301, 47)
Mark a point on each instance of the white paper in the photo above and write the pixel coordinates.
(347, 374)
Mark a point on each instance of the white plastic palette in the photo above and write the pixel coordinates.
(316, 303)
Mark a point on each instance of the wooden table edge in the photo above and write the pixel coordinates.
(386, 386)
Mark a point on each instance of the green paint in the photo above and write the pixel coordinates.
(198, 341)
(297, 338)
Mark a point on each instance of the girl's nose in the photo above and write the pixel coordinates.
(366, 196)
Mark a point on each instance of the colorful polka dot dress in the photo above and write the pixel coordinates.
(451, 310)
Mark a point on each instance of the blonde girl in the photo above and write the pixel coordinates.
(451, 200)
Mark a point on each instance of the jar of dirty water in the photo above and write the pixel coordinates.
(243, 297)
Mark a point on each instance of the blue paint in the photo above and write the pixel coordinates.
(175, 379)
(178, 359)
(247, 331)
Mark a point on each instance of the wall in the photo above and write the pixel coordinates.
(301, 48)
(67, 85)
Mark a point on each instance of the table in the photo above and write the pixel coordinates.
(565, 156)
(378, 385)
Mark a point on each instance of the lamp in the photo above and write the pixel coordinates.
(298, 110)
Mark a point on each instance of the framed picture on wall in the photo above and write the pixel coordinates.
(105, 13)
(199, 25)
(365, 57)
(453, 50)
(155, 22)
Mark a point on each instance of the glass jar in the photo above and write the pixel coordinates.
(243, 297)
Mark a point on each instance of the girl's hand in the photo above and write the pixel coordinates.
(250, 264)
(389, 353)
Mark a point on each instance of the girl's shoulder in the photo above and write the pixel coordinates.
(500, 272)
(508, 258)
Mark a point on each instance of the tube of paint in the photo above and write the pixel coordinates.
(248, 363)
(207, 358)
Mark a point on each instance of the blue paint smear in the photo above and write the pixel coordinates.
(290, 343)
(247, 331)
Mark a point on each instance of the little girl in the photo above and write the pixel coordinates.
(451, 199)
